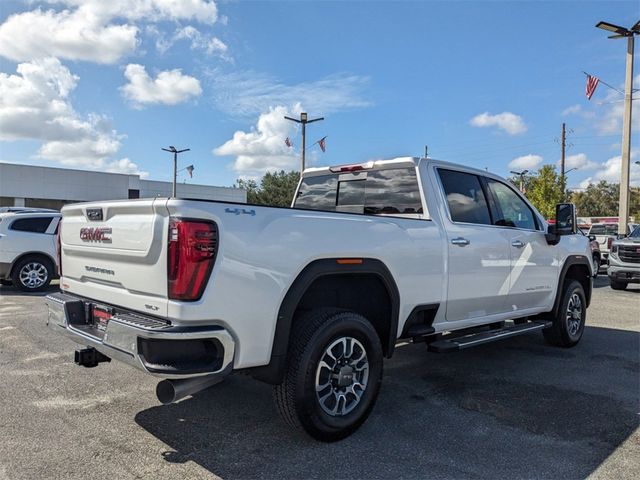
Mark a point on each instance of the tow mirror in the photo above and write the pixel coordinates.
(566, 219)
(565, 223)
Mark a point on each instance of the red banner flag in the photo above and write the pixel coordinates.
(592, 83)
(322, 143)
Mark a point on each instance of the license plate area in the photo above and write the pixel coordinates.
(101, 315)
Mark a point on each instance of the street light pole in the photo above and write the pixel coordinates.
(521, 175)
(625, 164)
(175, 152)
(303, 121)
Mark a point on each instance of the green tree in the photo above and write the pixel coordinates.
(545, 190)
(597, 199)
(602, 199)
(276, 189)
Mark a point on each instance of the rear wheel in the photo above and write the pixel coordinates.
(32, 273)
(333, 374)
(617, 285)
(568, 326)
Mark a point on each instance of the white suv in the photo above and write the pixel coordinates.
(28, 248)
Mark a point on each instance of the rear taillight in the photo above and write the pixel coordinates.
(609, 242)
(59, 248)
(192, 251)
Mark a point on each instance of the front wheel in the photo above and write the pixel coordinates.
(333, 374)
(568, 325)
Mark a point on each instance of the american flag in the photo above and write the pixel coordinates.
(287, 142)
(322, 143)
(592, 83)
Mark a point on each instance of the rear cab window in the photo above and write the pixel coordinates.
(390, 191)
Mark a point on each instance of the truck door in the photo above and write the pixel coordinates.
(534, 268)
(478, 252)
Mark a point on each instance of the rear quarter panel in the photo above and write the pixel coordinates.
(263, 249)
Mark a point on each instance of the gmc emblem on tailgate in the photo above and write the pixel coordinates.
(98, 234)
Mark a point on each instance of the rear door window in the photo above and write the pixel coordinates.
(33, 225)
(465, 197)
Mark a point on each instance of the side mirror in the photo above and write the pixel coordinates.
(565, 223)
(566, 220)
(592, 238)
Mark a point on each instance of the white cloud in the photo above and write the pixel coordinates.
(610, 121)
(170, 87)
(610, 171)
(34, 105)
(199, 41)
(72, 35)
(92, 30)
(572, 110)
(507, 121)
(579, 161)
(526, 162)
(263, 148)
(251, 93)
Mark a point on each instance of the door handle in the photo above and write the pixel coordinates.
(460, 241)
(517, 244)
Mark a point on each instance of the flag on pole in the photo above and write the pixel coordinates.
(322, 143)
(592, 83)
(288, 143)
(190, 170)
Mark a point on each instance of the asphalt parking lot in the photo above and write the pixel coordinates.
(512, 409)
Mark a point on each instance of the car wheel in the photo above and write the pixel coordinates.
(615, 285)
(596, 265)
(333, 374)
(32, 273)
(568, 325)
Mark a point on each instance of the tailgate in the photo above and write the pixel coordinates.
(116, 252)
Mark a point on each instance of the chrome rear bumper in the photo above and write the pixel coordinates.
(149, 344)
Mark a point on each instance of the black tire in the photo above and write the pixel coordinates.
(296, 398)
(615, 285)
(32, 263)
(565, 332)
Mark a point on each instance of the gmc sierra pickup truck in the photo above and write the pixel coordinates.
(312, 298)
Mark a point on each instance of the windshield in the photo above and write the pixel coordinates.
(635, 233)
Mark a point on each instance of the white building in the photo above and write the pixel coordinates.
(46, 187)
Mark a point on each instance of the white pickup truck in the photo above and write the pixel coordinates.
(312, 298)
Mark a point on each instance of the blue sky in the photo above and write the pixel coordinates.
(105, 85)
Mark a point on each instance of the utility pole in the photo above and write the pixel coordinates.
(623, 211)
(628, 33)
(303, 121)
(175, 152)
(563, 148)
